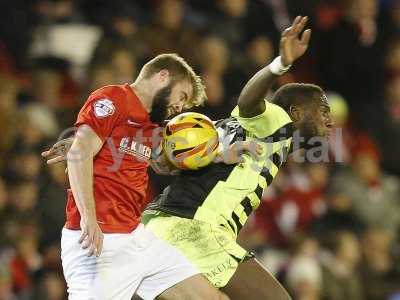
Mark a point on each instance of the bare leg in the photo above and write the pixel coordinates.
(196, 287)
(252, 281)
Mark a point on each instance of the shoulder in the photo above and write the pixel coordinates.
(104, 102)
(272, 112)
(109, 98)
(268, 122)
(277, 114)
(115, 93)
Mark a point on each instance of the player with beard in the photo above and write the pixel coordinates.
(202, 212)
(106, 253)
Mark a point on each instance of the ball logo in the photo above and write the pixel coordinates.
(103, 108)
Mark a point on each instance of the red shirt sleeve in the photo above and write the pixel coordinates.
(102, 112)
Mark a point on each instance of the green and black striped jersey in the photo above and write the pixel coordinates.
(227, 194)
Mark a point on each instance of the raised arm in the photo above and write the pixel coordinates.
(293, 44)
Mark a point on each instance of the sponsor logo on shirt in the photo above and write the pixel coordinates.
(133, 147)
(103, 108)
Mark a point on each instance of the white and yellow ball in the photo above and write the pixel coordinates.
(190, 141)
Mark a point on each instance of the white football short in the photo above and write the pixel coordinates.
(137, 262)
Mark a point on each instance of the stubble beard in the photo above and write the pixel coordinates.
(159, 108)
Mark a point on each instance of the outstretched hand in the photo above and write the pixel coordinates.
(234, 154)
(58, 152)
(293, 43)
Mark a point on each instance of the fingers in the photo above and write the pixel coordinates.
(96, 244)
(59, 147)
(291, 29)
(56, 159)
(63, 145)
(86, 240)
(296, 21)
(253, 147)
(286, 32)
(305, 39)
(231, 155)
(300, 27)
(92, 249)
(83, 236)
(54, 149)
(99, 245)
(297, 27)
(49, 152)
(93, 241)
(235, 152)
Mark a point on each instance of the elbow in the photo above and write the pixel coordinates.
(247, 101)
(240, 103)
(246, 109)
(243, 104)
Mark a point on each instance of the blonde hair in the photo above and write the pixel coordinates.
(179, 70)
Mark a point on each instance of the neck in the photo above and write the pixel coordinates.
(144, 92)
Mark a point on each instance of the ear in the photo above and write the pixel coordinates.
(296, 113)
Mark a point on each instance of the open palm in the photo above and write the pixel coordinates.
(293, 44)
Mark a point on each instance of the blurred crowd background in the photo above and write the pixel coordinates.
(328, 230)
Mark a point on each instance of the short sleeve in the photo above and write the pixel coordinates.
(102, 113)
(266, 123)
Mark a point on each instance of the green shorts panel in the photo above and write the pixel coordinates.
(212, 249)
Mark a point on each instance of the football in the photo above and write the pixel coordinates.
(190, 141)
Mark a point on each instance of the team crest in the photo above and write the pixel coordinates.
(103, 108)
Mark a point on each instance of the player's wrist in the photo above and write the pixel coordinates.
(89, 214)
(277, 67)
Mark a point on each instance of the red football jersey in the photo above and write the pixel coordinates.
(120, 168)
